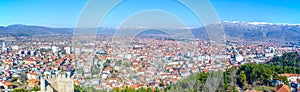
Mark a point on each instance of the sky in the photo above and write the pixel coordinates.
(65, 13)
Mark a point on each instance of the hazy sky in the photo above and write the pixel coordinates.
(64, 13)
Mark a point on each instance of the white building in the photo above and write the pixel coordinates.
(45, 47)
(68, 49)
(239, 58)
(54, 49)
(4, 44)
(32, 53)
(15, 47)
(77, 50)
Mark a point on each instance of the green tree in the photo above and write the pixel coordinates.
(148, 90)
(242, 79)
(128, 89)
(19, 90)
(35, 88)
(202, 77)
(77, 88)
(234, 89)
(116, 89)
(156, 89)
(90, 89)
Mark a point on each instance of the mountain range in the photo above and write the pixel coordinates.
(243, 30)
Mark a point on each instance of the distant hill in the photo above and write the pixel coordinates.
(25, 30)
(243, 30)
(153, 33)
(256, 31)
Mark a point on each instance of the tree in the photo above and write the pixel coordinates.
(90, 89)
(234, 89)
(35, 88)
(202, 77)
(116, 89)
(148, 90)
(128, 89)
(141, 89)
(161, 84)
(226, 81)
(242, 79)
(77, 88)
(156, 89)
(19, 90)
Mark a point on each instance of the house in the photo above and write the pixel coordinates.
(30, 61)
(282, 88)
(33, 82)
(95, 81)
(6, 84)
(32, 75)
(291, 77)
(76, 82)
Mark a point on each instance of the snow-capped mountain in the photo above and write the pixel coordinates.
(256, 30)
(236, 29)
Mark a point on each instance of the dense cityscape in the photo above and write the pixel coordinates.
(150, 46)
(52, 64)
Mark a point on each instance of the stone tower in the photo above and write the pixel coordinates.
(57, 83)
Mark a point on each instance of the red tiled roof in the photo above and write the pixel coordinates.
(289, 74)
(33, 80)
(282, 88)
